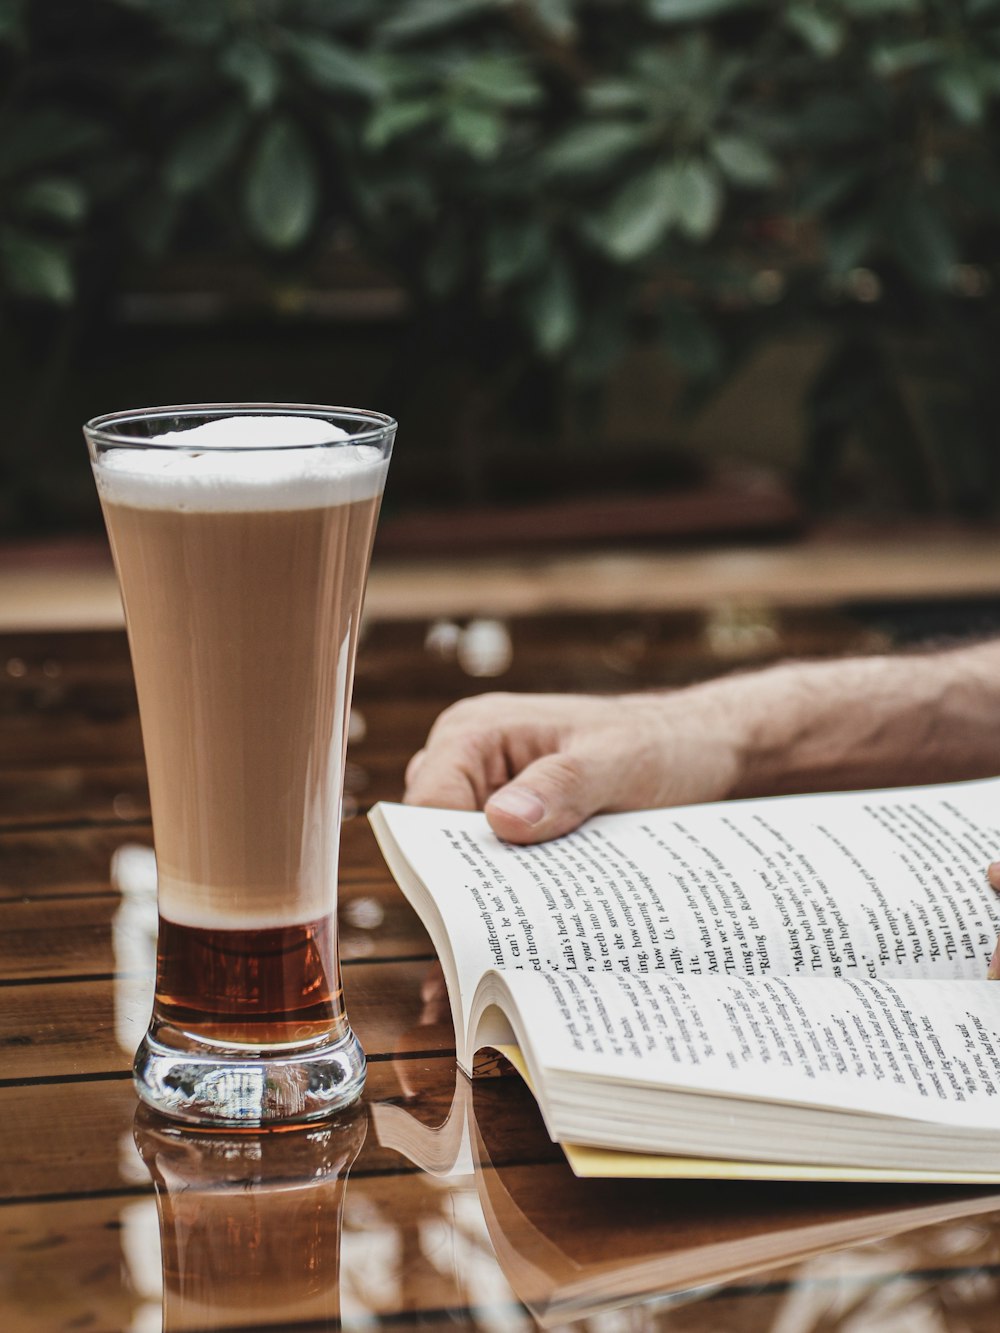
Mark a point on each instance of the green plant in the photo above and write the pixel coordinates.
(553, 178)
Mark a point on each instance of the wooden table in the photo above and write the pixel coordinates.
(268, 1231)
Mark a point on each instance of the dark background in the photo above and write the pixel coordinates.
(577, 247)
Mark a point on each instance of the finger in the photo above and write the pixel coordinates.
(412, 768)
(993, 875)
(993, 971)
(451, 774)
(550, 797)
(451, 789)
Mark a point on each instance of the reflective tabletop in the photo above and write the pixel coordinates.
(437, 1201)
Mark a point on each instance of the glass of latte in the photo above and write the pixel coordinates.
(241, 534)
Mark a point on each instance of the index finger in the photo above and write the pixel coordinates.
(458, 772)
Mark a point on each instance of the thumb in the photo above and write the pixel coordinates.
(550, 797)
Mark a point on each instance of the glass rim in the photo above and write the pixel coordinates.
(102, 430)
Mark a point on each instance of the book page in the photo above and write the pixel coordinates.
(914, 1049)
(858, 884)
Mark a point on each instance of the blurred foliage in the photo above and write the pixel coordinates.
(554, 178)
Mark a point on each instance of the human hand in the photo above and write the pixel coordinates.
(539, 765)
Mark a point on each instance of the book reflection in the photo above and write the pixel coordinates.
(574, 1249)
(250, 1221)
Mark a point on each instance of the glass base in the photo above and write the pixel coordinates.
(227, 1086)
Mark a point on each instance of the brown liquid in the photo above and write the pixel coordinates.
(252, 987)
(243, 630)
(250, 1224)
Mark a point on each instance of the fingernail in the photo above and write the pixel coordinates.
(993, 971)
(520, 803)
(993, 875)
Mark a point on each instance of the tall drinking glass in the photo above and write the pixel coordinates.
(241, 534)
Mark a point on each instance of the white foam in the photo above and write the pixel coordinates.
(239, 463)
(253, 907)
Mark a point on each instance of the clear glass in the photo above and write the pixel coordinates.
(241, 534)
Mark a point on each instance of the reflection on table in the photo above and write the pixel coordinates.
(305, 1228)
(250, 1222)
(574, 1248)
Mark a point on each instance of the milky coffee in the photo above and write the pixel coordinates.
(242, 572)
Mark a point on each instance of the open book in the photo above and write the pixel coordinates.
(573, 1248)
(796, 980)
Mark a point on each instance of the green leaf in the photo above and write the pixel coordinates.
(403, 73)
(421, 18)
(699, 199)
(514, 249)
(744, 160)
(820, 31)
(556, 17)
(641, 214)
(336, 68)
(962, 93)
(192, 24)
(609, 96)
(256, 71)
(477, 130)
(826, 186)
(392, 120)
(551, 308)
(880, 8)
(889, 60)
(923, 242)
(593, 147)
(282, 186)
(39, 137)
(36, 269)
(204, 149)
(54, 197)
(502, 80)
(684, 11)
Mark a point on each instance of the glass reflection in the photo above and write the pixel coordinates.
(691, 1255)
(250, 1221)
(133, 939)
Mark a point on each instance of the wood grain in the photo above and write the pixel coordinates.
(86, 1027)
(69, 1139)
(77, 1215)
(55, 862)
(38, 943)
